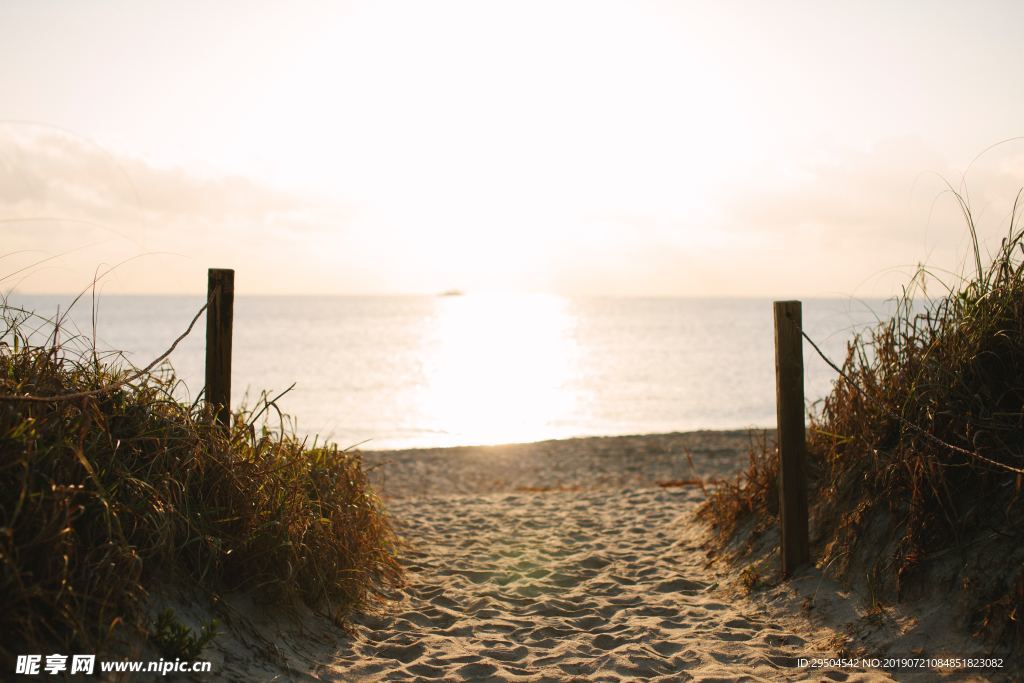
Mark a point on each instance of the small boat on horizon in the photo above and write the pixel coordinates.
(452, 292)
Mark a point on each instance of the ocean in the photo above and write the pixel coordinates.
(397, 372)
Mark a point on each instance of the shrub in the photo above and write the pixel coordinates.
(917, 454)
(117, 485)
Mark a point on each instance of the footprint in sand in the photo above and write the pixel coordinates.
(589, 623)
(607, 642)
(514, 654)
(402, 653)
(680, 586)
(666, 649)
(426, 671)
(595, 562)
(575, 588)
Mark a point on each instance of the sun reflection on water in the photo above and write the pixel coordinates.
(497, 367)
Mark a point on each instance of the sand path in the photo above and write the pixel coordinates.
(584, 582)
(560, 586)
(575, 560)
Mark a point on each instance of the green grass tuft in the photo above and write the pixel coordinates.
(174, 640)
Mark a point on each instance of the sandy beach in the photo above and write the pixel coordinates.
(579, 559)
(564, 560)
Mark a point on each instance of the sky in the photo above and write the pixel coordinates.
(579, 148)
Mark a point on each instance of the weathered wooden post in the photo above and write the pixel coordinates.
(219, 316)
(789, 397)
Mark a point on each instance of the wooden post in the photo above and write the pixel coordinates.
(219, 316)
(789, 397)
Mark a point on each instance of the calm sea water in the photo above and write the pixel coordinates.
(477, 369)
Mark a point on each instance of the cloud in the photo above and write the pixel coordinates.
(811, 226)
(52, 172)
(858, 221)
(65, 195)
(845, 222)
(896, 191)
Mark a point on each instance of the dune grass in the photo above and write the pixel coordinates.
(122, 487)
(916, 457)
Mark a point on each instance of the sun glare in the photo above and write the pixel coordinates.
(497, 365)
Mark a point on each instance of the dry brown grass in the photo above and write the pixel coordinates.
(917, 455)
(752, 494)
(104, 495)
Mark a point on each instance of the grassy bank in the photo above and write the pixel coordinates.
(917, 455)
(109, 488)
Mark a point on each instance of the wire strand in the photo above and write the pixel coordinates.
(107, 388)
(927, 434)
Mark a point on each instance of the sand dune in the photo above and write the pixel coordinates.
(561, 585)
(559, 561)
(565, 560)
